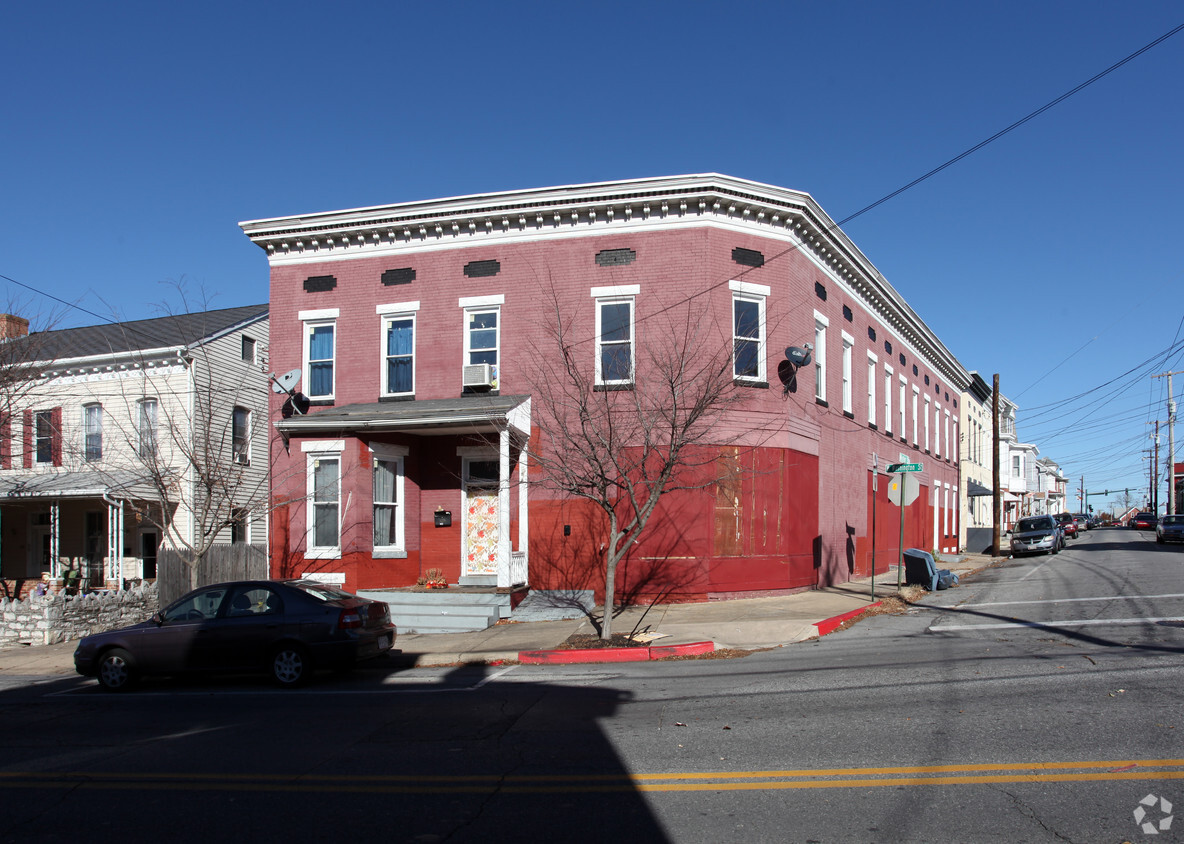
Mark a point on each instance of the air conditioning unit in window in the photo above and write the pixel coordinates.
(242, 458)
(479, 375)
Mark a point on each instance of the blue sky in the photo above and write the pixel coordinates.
(137, 135)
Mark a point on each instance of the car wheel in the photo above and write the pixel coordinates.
(1159, 540)
(117, 670)
(290, 666)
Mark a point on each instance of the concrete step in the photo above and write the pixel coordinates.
(442, 611)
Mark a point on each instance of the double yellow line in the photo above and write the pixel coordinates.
(1022, 772)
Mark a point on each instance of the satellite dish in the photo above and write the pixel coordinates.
(797, 355)
(286, 382)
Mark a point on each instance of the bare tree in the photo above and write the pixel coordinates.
(621, 447)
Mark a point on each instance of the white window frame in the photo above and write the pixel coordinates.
(397, 311)
(848, 349)
(471, 305)
(904, 386)
(87, 408)
(916, 401)
(928, 404)
(887, 399)
(148, 428)
(396, 454)
(936, 431)
(946, 454)
(821, 324)
(314, 451)
(873, 375)
(243, 457)
(745, 292)
(621, 294)
(310, 321)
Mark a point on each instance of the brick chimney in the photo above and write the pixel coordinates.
(12, 327)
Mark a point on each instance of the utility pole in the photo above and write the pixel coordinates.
(1171, 439)
(997, 501)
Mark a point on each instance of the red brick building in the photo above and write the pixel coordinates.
(416, 329)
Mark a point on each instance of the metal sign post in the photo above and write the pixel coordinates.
(903, 492)
(875, 485)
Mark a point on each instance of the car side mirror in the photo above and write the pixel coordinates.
(158, 618)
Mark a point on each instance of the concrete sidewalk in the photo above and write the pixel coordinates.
(743, 623)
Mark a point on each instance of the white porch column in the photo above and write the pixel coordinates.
(114, 565)
(55, 565)
(503, 507)
(523, 508)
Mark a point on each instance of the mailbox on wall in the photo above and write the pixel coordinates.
(443, 518)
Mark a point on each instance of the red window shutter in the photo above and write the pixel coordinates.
(6, 443)
(55, 422)
(27, 439)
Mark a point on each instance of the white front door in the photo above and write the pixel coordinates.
(481, 518)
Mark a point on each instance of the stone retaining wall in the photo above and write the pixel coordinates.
(48, 619)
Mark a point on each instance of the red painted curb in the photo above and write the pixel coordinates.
(561, 657)
(829, 625)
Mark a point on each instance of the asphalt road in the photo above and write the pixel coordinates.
(1038, 701)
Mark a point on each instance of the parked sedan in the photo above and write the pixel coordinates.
(1037, 535)
(1068, 524)
(1170, 529)
(285, 628)
(1144, 521)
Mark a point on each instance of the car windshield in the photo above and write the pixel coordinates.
(1173, 520)
(1038, 523)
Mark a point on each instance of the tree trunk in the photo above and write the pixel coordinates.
(610, 590)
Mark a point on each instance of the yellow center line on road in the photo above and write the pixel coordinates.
(872, 777)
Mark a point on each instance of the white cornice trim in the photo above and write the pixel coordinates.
(654, 204)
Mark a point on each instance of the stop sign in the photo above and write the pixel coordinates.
(906, 485)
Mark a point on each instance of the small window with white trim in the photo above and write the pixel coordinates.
(323, 537)
(848, 397)
(614, 334)
(398, 348)
(320, 353)
(820, 325)
(748, 331)
(389, 507)
(873, 375)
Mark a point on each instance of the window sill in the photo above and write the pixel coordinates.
(323, 554)
(612, 388)
(744, 382)
(388, 554)
(321, 402)
(410, 397)
(821, 402)
(848, 414)
(873, 426)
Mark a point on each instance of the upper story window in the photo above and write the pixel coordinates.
(748, 331)
(872, 375)
(901, 409)
(320, 352)
(614, 334)
(248, 349)
(398, 348)
(241, 435)
(887, 398)
(147, 429)
(45, 434)
(92, 424)
(916, 399)
(239, 525)
(848, 397)
(820, 326)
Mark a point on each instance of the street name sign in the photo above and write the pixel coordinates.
(903, 467)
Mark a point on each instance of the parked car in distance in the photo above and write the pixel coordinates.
(1170, 529)
(1083, 521)
(1037, 535)
(284, 628)
(1144, 521)
(1068, 524)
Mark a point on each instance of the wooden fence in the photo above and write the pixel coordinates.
(221, 563)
